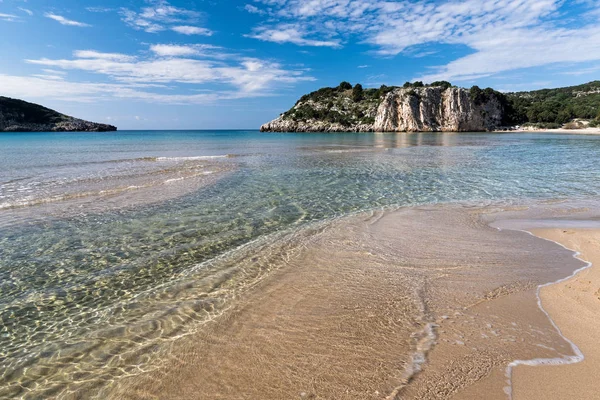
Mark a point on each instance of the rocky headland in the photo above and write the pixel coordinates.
(436, 107)
(21, 116)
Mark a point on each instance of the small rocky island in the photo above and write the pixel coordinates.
(21, 116)
(436, 107)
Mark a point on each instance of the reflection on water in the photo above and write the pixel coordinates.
(94, 296)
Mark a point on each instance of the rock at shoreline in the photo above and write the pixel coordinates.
(415, 109)
(21, 116)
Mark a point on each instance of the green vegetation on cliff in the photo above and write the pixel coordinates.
(343, 104)
(21, 116)
(557, 106)
(350, 105)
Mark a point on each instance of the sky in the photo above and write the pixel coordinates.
(180, 64)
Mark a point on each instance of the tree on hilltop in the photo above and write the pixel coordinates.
(357, 92)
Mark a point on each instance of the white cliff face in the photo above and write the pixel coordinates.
(434, 109)
(426, 109)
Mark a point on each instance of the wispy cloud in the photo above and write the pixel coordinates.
(8, 17)
(100, 9)
(96, 55)
(248, 74)
(582, 71)
(174, 50)
(53, 72)
(253, 9)
(26, 11)
(290, 33)
(160, 15)
(504, 35)
(191, 30)
(32, 87)
(154, 78)
(64, 21)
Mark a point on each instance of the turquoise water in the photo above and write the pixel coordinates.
(90, 296)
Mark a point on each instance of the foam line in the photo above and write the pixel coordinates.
(565, 360)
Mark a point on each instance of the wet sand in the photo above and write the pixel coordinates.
(426, 303)
(575, 306)
(157, 182)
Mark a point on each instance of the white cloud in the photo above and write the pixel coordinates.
(160, 16)
(253, 9)
(503, 34)
(167, 76)
(8, 17)
(99, 9)
(31, 87)
(102, 56)
(171, 50)
(50, 77)
(583, 71)
(26, 11)
(290, 33)
(64, 21)
(53, 72)
(246, 74)
(536, 47)
(191, 30)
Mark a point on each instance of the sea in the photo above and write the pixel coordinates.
(115, 245)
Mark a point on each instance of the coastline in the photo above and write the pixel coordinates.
(583, 131)
(360, 309)
(574, 305)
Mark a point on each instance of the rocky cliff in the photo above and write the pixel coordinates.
(411, 109)
(437, 109)
(21, 116)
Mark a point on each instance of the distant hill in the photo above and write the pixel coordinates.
(434, 107)
(557, 106)
(21, 116)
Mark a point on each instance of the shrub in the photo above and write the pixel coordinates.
(444, 84)
(357, 92)
(476, 94)
(574, 125)
(345, 85)
(543, 125)
(368, 120)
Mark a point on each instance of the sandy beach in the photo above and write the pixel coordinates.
(583, 131)
(425, 303)
(574, 305)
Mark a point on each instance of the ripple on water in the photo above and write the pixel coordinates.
(94, 290)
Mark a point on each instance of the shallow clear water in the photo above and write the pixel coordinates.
(94, 296)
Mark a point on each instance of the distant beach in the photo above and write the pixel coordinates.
(582, 131)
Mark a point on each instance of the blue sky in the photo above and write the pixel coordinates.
(155, 64)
